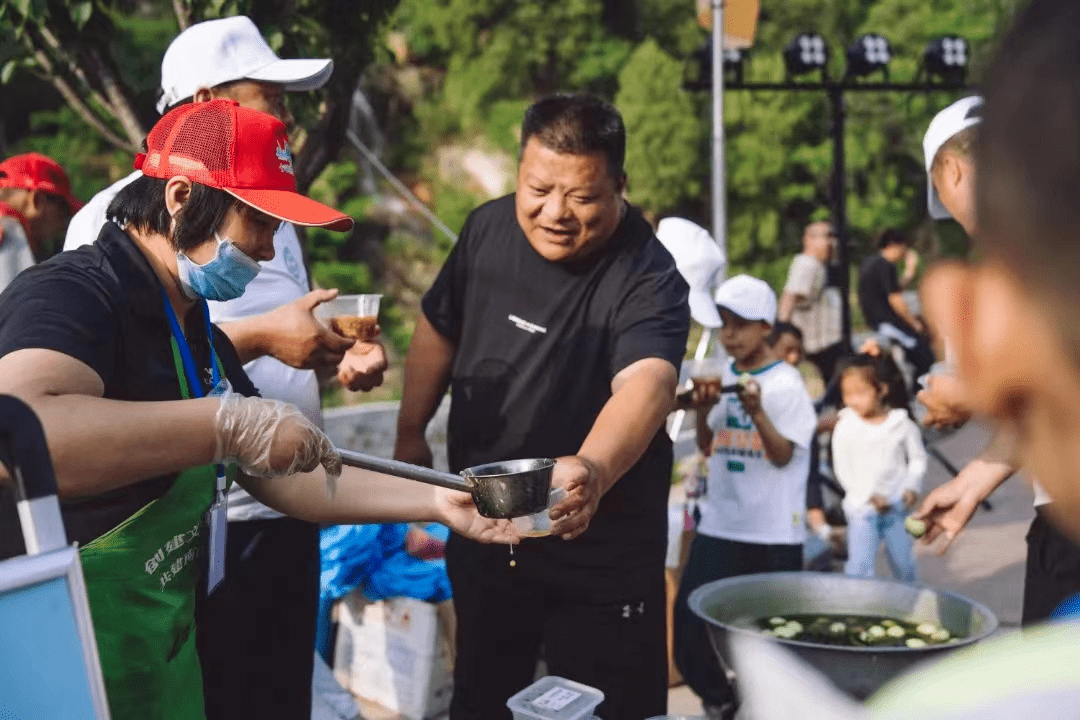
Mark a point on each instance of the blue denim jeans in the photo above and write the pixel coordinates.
(867, 528)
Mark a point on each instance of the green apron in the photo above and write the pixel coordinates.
(141, 578)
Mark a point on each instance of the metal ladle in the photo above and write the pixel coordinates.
(499, 490)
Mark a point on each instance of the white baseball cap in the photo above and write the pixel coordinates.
(701, 262)
(748, 297)
(959, 116)
(219, 51)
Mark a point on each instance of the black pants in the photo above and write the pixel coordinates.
(256, 633)
(826, 360)
(617, 647)
(713, 559)
(1053, 570)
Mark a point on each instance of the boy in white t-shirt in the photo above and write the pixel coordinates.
(758, 445)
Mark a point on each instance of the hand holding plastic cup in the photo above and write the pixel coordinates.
(352, 316)
(539, 524)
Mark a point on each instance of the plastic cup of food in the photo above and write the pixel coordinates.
(539, 524)
(706, 372)
(351, 316)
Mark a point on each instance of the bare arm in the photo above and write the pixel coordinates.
(638, 406)
(704, 433)
(896, 302)
(289, 333)
(948, 508)
(788, 301)
(361, 496)
(97, 444)
(427, 375)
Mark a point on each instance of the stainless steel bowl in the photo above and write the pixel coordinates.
(512, 488)
(733, 604)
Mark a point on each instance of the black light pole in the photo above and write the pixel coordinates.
(839, 209)
(945, 57)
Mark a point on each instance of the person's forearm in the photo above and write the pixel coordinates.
(248, 336)
(427, 375)
(629, 421)
(896, 302)
(360, 496)
(99, 445)
(704, 433)
(982, 476)
(787, 304)
(778, 449)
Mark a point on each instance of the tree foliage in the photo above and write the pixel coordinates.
(666, 156)
(71, 44)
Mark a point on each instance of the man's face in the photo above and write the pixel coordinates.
(954, 181)
(789, 349)
(818, 240)
(261, 96)
(894, 252)
(48, 217)
(567, 205)
(742, 338)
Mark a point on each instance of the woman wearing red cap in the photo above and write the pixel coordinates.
(146, 407)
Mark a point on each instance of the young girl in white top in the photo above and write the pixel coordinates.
(879, 459)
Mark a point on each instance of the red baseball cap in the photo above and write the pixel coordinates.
(31, 171)
(241, 151)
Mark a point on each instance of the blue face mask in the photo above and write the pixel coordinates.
(223, 278)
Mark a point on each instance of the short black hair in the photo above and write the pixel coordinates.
(580, 124)
(892, 236)
(781, 328)
(142, 205)
(1027, 158)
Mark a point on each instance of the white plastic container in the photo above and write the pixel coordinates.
(555, 698)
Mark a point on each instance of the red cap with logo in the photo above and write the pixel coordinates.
(241, 151)
(32, 171)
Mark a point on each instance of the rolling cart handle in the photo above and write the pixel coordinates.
(26, 456)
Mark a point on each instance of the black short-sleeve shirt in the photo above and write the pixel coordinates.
(537, 346)
(102, 304)
(877, 281)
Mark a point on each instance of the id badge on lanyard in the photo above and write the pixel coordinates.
(216, 517)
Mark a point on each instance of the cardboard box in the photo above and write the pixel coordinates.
(401, 654)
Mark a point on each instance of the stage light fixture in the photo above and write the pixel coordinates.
(946, 58)
(806, 53)
(869, 53)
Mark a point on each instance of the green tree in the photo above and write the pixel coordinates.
(71, 44)
(665, 135)
(494, 50)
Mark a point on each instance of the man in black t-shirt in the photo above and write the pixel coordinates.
(558, 322)
(882, 301)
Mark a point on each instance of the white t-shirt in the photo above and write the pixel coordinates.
(748, 499)
(281, 280)
(15, 252)
(884, 459)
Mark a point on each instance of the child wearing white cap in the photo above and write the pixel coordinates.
(758, 444)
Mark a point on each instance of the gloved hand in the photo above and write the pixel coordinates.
(269, 438)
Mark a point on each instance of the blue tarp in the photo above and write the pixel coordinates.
(373, 557)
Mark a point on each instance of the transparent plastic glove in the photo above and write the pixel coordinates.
(269, 438)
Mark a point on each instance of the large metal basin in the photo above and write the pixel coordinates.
(731, 605)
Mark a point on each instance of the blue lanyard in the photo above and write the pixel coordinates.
(194, 383)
